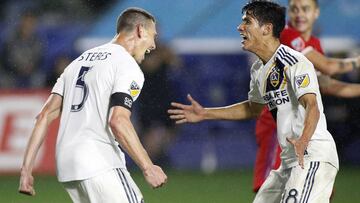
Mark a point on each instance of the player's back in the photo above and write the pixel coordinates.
(85, 145)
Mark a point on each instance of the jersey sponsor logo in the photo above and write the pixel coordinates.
(134, 89)
(302, 80)
(275, 83)
(128, 102)
(287, 57)
(276, 98)
(298, 44)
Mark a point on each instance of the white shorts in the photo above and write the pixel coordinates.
(113, 186)
(313, 184)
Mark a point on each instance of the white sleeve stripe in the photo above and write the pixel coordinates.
(57, 93)
(309, 92)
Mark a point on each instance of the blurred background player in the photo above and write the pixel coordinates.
(94, 98)
(22, 54)
(60, 63)
(156, 129)
(298, 35)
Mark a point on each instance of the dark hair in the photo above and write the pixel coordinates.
(315, 1)
(130, 17)
(267, 12)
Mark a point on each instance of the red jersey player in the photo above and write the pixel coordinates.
(298, 35)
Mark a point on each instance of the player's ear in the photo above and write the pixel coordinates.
(140, 30)
(267, 28)
(317, 13)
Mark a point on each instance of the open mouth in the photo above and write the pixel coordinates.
(244, 37)
(147, 51)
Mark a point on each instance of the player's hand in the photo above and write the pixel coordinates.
(187, 113)
(26, 185)
(155, 176)
(300, 147)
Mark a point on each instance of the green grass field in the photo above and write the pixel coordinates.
(183, 187)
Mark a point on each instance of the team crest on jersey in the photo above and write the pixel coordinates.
(134, 89)
(298, 44)
(274, 77)
(302, 80)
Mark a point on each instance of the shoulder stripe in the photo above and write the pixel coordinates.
(287, 55)
(293, 57)
(281, 56)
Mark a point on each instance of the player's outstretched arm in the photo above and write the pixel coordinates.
(332, 66)
(125, 134)
(195, 112)
(49, 112)
(192, 113)
(330, 86)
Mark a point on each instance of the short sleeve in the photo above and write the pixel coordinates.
(59, 86)
(254, 92)
(128, 80)
(303, 78)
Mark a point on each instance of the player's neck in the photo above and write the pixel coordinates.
(126, 41)
(267, 50)
(306, 35)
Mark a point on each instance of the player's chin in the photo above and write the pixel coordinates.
(245, 46)
(301, 28)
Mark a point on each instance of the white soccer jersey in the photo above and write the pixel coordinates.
(85, 145)
(279, 83)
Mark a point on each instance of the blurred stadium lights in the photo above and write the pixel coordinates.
(339, 44)
(221, 45)
(208, 22)
(180, 45)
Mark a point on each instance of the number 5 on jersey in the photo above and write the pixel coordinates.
(81, 90)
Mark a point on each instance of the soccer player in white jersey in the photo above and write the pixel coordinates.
(94, 96)
(286, 81)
